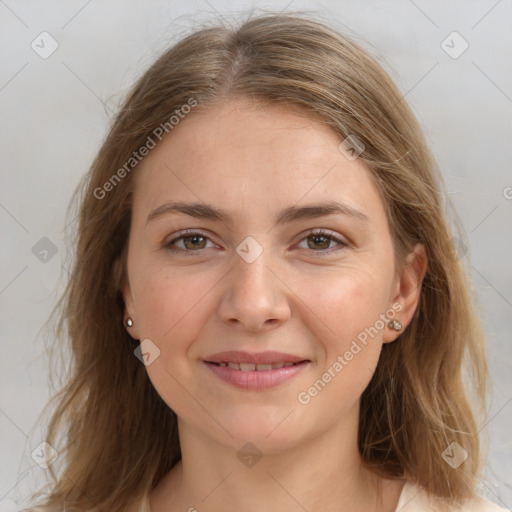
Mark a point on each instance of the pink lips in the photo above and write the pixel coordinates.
(255, 371)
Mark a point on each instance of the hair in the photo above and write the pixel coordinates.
(115, 436)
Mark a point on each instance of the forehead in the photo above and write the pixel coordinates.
(242, 156)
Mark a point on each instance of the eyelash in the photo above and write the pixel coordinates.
(317, 232)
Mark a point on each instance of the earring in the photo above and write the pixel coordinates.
(395, 324)
(129, 322)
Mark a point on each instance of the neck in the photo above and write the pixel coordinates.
(324, 473)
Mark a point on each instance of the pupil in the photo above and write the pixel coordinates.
(320, 237)
(193, 239)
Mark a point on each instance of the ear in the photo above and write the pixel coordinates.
(123, 285)
(407, 290)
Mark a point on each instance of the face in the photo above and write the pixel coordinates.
(259, 277)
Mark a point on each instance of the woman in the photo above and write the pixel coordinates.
(266, 310)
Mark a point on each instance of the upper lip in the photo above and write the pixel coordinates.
(254, 358)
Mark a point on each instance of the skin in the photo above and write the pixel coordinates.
(254, 162)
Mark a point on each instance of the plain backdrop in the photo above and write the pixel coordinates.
(55, 112)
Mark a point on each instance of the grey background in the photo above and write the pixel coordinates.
(55, 112)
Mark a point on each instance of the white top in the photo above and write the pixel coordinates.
(415, 499)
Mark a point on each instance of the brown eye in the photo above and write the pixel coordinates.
(191, 242)
(320, 242)
(194, 241)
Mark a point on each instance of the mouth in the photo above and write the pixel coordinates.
(256, 371)
(257, 377)
(251, 367)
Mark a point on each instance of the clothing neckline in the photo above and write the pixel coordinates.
(408, 492)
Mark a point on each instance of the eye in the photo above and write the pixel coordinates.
(321, 240)
(192, 240)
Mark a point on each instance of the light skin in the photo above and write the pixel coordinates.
(254, 162)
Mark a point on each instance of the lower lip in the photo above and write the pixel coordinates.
(257, 379)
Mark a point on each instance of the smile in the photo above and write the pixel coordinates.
(256, 377)
(251, 367)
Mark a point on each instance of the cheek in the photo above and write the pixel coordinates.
(171, 310)
(351, 313)
(168, 298)
(347, 302)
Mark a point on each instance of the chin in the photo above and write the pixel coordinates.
(268, 431)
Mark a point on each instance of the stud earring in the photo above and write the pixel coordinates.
(395, 324)
(129, 322)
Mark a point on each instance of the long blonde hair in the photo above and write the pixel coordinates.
(115, 436)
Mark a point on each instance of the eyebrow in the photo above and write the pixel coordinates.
(290, 214)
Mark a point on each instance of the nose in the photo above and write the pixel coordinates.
(255, 296)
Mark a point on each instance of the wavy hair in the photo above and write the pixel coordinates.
(115, 435)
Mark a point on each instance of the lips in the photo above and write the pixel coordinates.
(247, 361)
(251, 367)
(256, 371)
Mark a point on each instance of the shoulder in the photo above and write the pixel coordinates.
(482, 504)
(415, 499)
